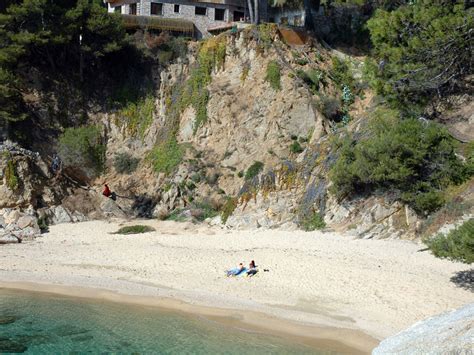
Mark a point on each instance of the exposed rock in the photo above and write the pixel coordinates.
(9, 239)
(448, 333)
(12, 217)
(26, 221)
(58, 215)
(111, 209)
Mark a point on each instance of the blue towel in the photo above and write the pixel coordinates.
(236, 271)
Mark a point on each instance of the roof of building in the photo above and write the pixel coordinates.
(158, 23)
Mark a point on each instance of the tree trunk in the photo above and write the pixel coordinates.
(249, 4)
(256, 15)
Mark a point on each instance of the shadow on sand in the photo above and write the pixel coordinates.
(464, 279)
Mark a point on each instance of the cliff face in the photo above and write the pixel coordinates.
(261, 154)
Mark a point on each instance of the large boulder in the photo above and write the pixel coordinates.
(448, 333)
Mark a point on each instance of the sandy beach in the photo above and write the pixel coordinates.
(319, 285)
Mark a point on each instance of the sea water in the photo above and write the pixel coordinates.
(50, 324)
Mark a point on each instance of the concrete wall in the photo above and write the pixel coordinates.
(187, 12)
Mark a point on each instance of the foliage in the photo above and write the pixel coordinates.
(136, 229)
(228, 208)
(296, 148)
(176, 215)
(458, 244)
(245, 73)
(206, 210)
(341, 73)
(331, 108)
(162, 47)
(313, 222)
(422, 49)
(253, 170)
(139, 115)
(82, 147)
(266, 32)
(312, 78)
(43, 224)
(166, 156)
(273, 75)
(124, 163)
(211, 55)
(417, 158)
(11, 175)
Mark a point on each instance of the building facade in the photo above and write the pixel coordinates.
(207, 16)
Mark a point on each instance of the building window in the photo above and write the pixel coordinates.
(219, 15)
(118, 9)
(201, 11)
(176, 9)
(238, 16)
(133, 9)
(156, 8)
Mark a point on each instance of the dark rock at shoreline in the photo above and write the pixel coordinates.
(9, 346)
(7, 320)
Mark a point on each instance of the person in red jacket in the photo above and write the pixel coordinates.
(106, 192)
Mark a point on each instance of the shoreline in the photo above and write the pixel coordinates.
(319, 337)
(319, 285)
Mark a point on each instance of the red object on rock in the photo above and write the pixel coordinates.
(106, 191)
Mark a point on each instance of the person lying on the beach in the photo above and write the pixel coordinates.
(252, 270)
(236, 271)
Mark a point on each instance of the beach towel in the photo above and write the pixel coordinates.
(236, 271)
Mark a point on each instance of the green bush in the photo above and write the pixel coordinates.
(331, 108)
(11, 176)
(166, 156)
(211, 55)
(313, 222)
(458, 244)
(124, 163)
(421, 49)
(139, 116)
(296, 148)
(253, 170)
(341, 73)
(228, 208)
(273, 75)
(415, 157)
(82, 147)
(136, 229)
(312, 78)
(206, 209)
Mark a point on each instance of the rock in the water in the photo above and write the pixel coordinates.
(448, 333)
(7, 320)
(10, 346)
(9, 239)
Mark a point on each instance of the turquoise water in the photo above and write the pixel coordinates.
(49, 324)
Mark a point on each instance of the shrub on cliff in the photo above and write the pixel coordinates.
(124, 163)
(313, 222)
(411, 156)
(273, 75)
(458, 244)
(166, 156)
(253, 170)
(82, 147)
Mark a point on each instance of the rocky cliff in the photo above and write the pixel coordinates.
(239, 132)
